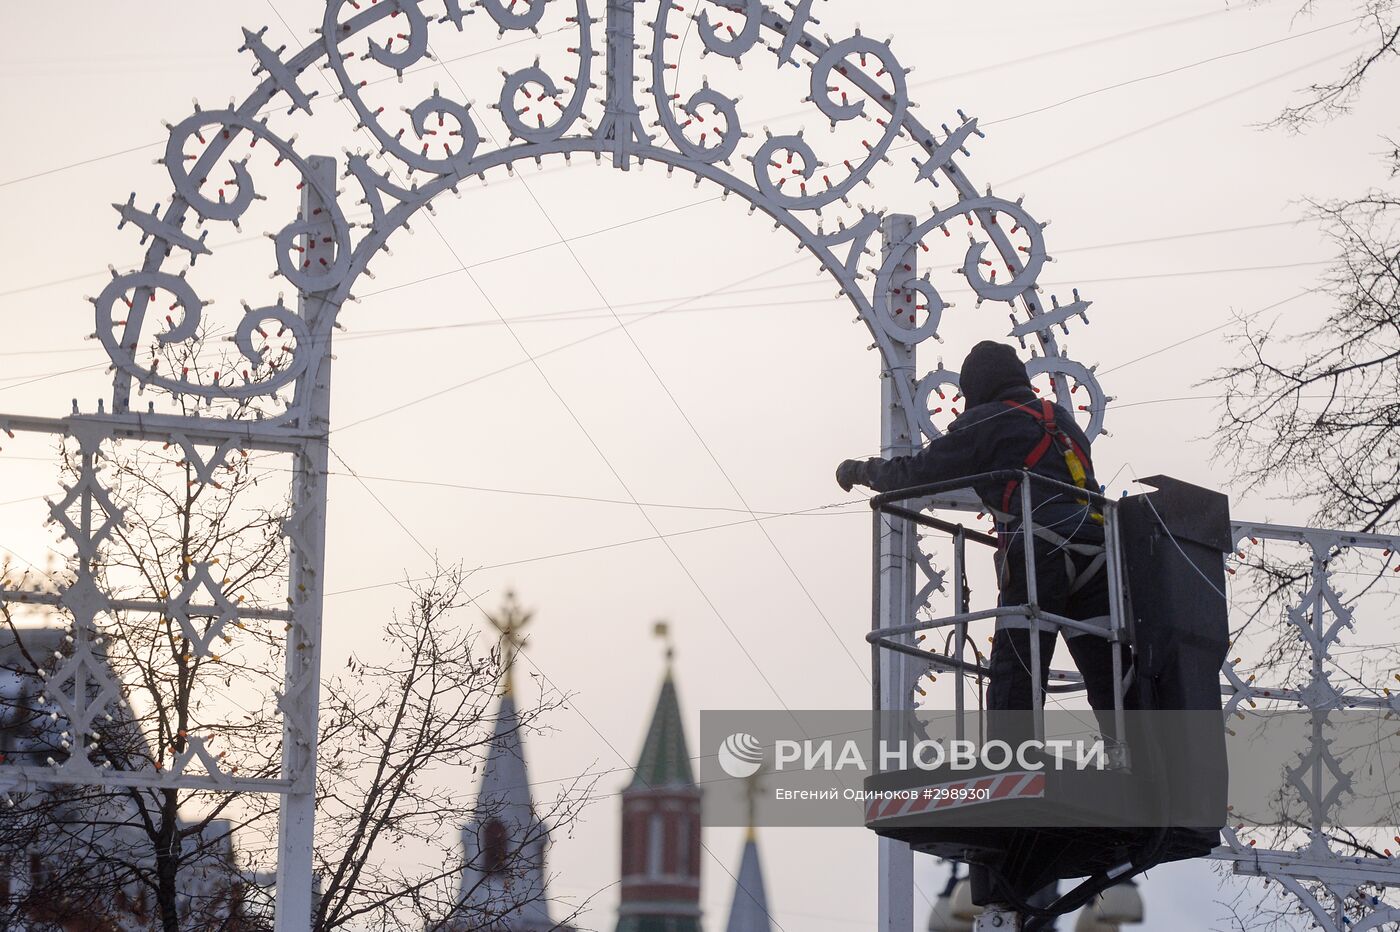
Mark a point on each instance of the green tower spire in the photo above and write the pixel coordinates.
(660, 890)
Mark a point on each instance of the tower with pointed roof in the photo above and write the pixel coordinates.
(748, 911)
(503, 882)
(660, 890)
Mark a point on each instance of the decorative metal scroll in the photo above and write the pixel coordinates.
(541, 111)
(87, 734)
(1340, 892)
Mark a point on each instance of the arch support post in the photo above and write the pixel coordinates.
(898, 437)
(621, 126)
(296, 881)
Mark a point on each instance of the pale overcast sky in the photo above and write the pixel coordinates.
(1171, 210)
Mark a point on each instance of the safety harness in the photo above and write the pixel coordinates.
(1078, 463)
(1076, 459)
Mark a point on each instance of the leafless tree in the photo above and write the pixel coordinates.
(403, 730)
(156, 860)
(1316, 410)
(406, 732)
(405, 736)
(1333, 98)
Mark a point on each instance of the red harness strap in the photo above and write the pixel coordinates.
(1046, 418)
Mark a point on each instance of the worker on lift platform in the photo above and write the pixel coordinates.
(1006, 427)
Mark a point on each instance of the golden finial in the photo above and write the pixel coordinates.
(509, 622)
(753, 788)
(662, 629)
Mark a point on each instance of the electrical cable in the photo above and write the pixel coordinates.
(1221, 231)
(675, 403)
(439, 484)
(1196, 336)
(1012, 62)
(1190, 234)
(575, 313)
(1176, 70)
(380, 502)
(540, 370)
(646, 316)
(679, 308)
(906, 145)
(1157, 124)
(540, 355)
(264, 112)
(499, 45)
(1161, 522)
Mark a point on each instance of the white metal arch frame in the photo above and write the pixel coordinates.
(620, 136)
(319, 254)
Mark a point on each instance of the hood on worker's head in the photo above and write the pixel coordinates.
(990, 369)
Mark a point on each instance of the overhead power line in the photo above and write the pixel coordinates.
(1190, 234)
(1207, 332)
(1157, 124)
(593, 442)
(1022, 60)
(528, 493)
(1177, 70)
(437, 393)
(701, 202)
(682, 306)
(1019, 60)
(662, 536)
(272, 108)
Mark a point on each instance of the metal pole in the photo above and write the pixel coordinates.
(301, 700)
(960, 630)
(1113, 553)
(898, 435)
(1319, 675)
(1033, 605)
(876, 619)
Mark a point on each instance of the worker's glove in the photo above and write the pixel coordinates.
(849, 473)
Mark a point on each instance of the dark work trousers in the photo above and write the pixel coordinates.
(1009, 692)
(1061, 590)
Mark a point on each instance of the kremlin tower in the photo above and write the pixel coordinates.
(503, 882)
(661, 826)
(749, 910)
(661, 847)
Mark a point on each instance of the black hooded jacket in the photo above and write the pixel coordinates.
(990, 435)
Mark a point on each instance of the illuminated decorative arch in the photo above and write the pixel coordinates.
(440, 146)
